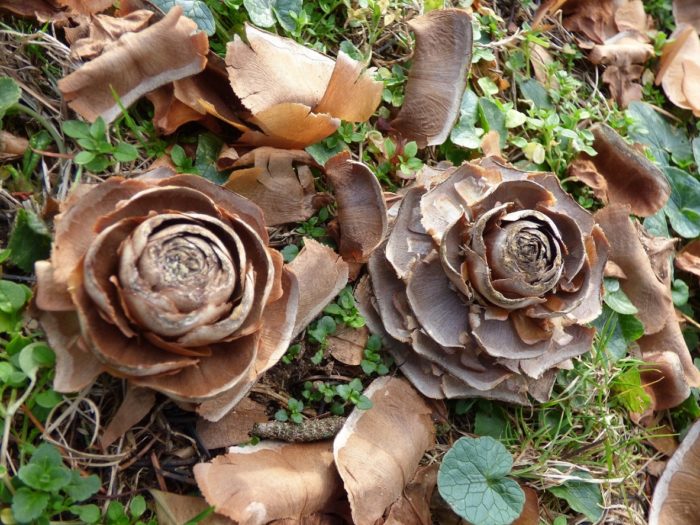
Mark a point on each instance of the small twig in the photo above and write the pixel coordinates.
(689, 319)
(307, 430)
(159, 472)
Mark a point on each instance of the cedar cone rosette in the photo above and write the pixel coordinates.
(485, 283)
(166, 281)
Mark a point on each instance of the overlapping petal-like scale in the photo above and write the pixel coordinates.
(167, 281)
(485, 282)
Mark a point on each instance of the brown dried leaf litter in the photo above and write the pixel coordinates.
(116, 297)
(616, 32)
(362, 472)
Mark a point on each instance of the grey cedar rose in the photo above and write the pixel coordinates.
(485, 283)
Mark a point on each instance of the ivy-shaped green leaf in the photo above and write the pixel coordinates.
(197, 10)
(265, 13)
(30, 240)
(465, 133)
(616, 299)
(472, 480)
(683, 207)
(654, 131)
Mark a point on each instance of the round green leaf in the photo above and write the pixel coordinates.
(87, 513)
(619, 302)
(125, 152)
(13, 296)
(472, 480)
(28, 505)
(84, 157)
(34, 356)
(137, 506)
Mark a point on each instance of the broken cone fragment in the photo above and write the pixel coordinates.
(167, 282)
(136, 64)
(486, 282)
(675, 500)
(437, 78)
(619, 174)
(616, 33)
(366, 467)
(645, 263)
(679, 68)
(296, 96)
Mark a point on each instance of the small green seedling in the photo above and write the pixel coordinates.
(98, 153)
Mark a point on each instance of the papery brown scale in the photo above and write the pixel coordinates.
(174, 287)
(493, 286)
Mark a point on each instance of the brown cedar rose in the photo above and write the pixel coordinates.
(485, 282)
(167, 281)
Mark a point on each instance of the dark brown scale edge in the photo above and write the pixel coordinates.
(307, 430)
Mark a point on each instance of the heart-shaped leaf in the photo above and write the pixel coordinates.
(472, 480)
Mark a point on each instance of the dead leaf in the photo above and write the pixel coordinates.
(12, 146)
(593, 18)
(347, 344)
(296, 96)
(361, 208)
(321, 274)
(585, 171)
(688, 259)
(135, 406)
(663, 439)
(379, 449)
(351, 95)
(176, 509)
(541, 59)
(675, 500)
(616, 30)
(670, 371)
(679, 69)
(619, 174)
(227, 158)
(42, 10)
(413, 507)
(624, 55)
(136, 64)
(656, 468)
(97, 34)
(168, 112)
(261, 483)
(437, 77)
(531, 510)
(234, 427)
(86, 7)
(76, 367)
(279, 181)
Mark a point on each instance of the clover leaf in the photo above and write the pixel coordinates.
(472, 480)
